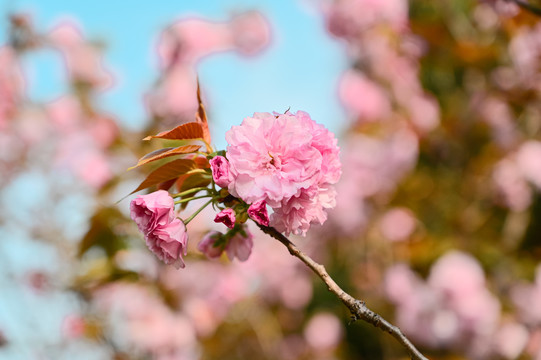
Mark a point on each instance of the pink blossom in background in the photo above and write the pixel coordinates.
(251, 32)
(104, 130)
(364, 98)
(511, 185)
(424, 112)
(175, 95)
(375, 167)
(73, 326)
(497, 114)
(190, 40)
(457, 275)
(240, 245)
(31, 126)
(12, 84)
(139, 320)
(525, 52)
(83, 59)
(323, 331)
(452, 309)
(165, 235)
(227, 217)
(65, 114)
(78, 154)
(529, 161)
(511, 339)
(527, 298)
(276, 274)
(220, 171)
(397, 224)
(288, 161)
(206, 245)
(258, 212)
(184, 44)
(348, 18)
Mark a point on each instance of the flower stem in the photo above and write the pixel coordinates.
(181, 201)
(197, 212)
(187, 192)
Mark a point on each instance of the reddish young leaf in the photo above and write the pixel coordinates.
(167, 184)
(169, 171)
(201, 116)
(191, 181)
(188, 131)
(202, 162)
(166, 152)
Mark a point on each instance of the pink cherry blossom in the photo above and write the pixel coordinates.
(364, 98)
(220, 171)
(206, 246)
(452, 309)
(397, 224)
(165, 235)
(527, 297)
(258, 212)
(73, 326)
(240, 245)
(251, 32)
(323, 332)
(82, 58)
(227, 217)
(187, 41)
(348, 18)
(288, 161)
(529, 161)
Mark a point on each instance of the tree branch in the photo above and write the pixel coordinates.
(357, 307)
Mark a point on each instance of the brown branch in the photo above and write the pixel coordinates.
(357, 307)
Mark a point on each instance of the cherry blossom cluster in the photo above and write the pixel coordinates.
(285, 163)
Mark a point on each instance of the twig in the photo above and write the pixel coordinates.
(357, 307)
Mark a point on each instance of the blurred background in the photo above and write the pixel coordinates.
(438, 219)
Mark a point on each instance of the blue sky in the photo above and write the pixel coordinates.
(299, 70)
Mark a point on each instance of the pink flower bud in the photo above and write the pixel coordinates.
(240, 245)
(258, 212)
(220, 171)
(207, 245)
(226, 216)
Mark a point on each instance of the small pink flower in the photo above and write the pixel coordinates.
(165, 235)
(258, 212)
(169, 243)
(226, 216)
(220, 171)
(240, 245)
(208, 245)
(149, 211)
